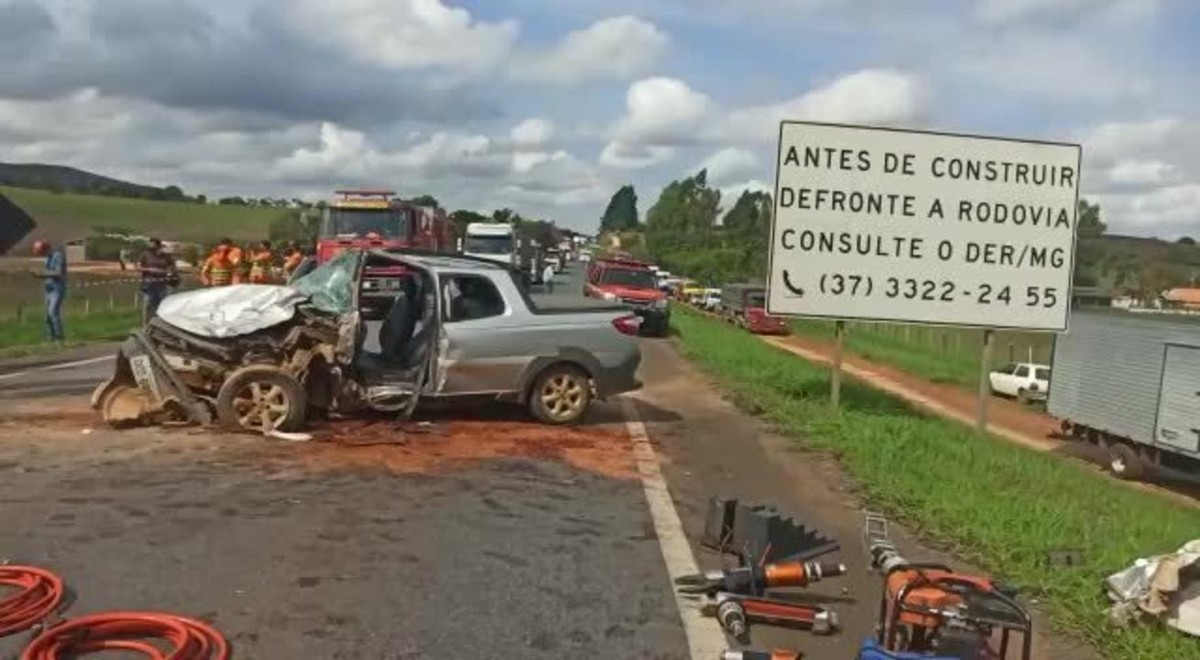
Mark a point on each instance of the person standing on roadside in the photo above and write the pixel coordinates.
(218, 269)
(236, 258)
(54, 284)
(548, 278)
(261, 262)
(292, 258)
(158, 274)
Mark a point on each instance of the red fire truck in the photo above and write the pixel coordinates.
(376, 219)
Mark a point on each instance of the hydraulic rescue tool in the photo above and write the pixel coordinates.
(754, 580)
(738, 597)
(929, 611)
(762, 655)
(735, 613)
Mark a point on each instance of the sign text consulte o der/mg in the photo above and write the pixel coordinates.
(909, 226)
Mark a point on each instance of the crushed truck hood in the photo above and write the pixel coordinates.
(231, 311)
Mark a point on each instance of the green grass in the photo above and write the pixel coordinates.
(63, 216)
(940, 355)
(28, 337)
(991, 503)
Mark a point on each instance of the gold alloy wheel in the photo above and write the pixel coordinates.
(261, 406)
(564, 396)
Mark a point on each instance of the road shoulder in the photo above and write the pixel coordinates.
(709, 447)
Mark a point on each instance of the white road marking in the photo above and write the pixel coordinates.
(56, 367)
(704, 636)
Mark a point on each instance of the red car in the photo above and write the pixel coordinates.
(746, 305)
(634, 284)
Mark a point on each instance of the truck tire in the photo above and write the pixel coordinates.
(261, 392)
(1124, 462)
(560, 395)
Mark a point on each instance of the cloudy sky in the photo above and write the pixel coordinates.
(546, 106)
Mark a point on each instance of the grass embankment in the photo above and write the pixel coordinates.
(940, 355)
(989, 502)
(28, 336)
(64, 216)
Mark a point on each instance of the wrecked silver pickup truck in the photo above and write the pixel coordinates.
(264, 358)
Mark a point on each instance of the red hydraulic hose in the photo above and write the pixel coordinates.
(39, 594)
(130, 631)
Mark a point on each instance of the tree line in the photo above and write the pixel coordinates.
(690, 232)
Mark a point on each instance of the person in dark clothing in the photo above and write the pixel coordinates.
(158, 275)
(54, 278)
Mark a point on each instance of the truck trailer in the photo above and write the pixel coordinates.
(1130, 384)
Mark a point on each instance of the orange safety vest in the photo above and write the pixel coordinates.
(292, 262)
(217, 269)
(235, 264)
(260, 266)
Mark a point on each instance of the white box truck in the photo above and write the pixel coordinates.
(1130, 383)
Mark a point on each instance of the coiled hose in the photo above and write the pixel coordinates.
(132, 632)
(39, 593)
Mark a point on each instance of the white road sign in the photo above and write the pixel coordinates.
(909, 226)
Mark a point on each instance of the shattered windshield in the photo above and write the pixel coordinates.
(330, 287)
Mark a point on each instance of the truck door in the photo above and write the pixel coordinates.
(1178, 424)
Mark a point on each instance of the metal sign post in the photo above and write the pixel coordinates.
(835, 379)
(985, 384)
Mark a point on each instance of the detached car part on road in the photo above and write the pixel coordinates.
(263, 358)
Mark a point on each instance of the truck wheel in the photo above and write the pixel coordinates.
(1124, 462)
(261, 395)
(561, 394)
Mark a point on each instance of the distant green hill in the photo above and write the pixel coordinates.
(66, 216)
(60, 178)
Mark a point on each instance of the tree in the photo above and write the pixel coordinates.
(1186, 240)
(201, 199)
(295, 225)
(173, 193)
(424, 200)
(506, 215)
(681, 224)
(621, 213)
(1089, 224)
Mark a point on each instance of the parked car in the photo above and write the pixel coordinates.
(1024, 381)
(262, 357)
(745, 305)
(711, 300)
(1130, 384)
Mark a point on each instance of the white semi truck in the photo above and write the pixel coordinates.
(499, 242)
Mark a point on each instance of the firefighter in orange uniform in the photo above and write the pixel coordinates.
(261, 262)
(237, 260)
(218, 269)
(292, 260)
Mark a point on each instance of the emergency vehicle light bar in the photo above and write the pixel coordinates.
(347, 194)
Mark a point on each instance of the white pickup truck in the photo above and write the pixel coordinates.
(1024, 381)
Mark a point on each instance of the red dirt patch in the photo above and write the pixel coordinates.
(430, 448)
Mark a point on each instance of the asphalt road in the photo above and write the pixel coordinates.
(479, 535)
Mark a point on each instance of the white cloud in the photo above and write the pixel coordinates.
(532, 133)
(613, 48)
(662, 111)
(997, 12)
(871, 96)
(1114, 141)
(1141, 173)
(667, 112)
(621, 155)
(729, 164)
(404, 34)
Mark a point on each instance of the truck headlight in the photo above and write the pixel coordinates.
(608, 296)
